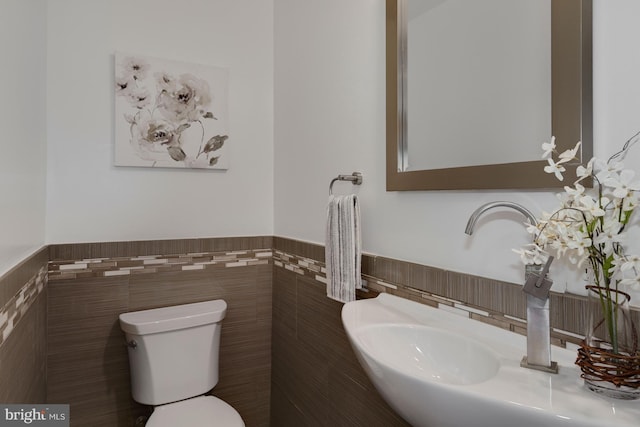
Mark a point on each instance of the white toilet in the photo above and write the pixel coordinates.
(173, 355)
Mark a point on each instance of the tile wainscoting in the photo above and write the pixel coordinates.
(501, 304)
(316, 379)
(91, 284)
(23, 331)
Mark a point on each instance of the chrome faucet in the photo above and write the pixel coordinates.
(482, 209)
(538, 324)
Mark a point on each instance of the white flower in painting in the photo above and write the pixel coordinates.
(134, 68)
(199, 162)
(165, 114)
(124, 85)
(184, 99)
(165, 82)
(139, 98)
(154, 139)
(130, 118)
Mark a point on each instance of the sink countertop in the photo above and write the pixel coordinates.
(557, 398)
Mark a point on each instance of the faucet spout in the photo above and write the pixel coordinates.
(538, 322)
(482, 209)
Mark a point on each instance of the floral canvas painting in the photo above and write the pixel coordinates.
(170, 114)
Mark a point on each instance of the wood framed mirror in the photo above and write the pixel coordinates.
(570, 79)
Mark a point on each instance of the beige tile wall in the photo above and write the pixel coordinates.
(499, 303)
(23, 327)
(316, 379)
(278, 315)
(87, 359)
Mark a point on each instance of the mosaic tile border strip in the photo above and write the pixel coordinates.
(133, 248)
(121, 266)
(17, 306)
(373, 286)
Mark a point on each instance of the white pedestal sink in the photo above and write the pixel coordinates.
(439, 369)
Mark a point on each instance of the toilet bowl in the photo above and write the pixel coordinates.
(198, 411)
(173, 356)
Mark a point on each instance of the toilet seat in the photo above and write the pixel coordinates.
(203, 411)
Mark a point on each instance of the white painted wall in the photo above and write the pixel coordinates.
(330, 119)
(23, 138)
(89, 199)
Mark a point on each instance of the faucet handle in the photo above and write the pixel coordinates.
(541, 291)
(537, 283)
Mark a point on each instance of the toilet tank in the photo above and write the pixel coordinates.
(173, 351)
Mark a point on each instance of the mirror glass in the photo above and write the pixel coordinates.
(475, 86)
(445, 103)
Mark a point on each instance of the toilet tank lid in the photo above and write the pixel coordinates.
(171, 318)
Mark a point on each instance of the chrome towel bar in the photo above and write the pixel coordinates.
(355, 178)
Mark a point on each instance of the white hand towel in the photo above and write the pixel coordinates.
(343, 248)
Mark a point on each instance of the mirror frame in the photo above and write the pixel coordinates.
(571, 107)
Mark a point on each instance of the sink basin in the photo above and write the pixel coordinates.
(430, 353)
(439, 369)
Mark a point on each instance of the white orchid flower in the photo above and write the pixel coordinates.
(566, 200)
(570, 154)
(590, 223)
(626, 263)
(574, 193)
(609, 235)
(577, 260)
(630, 202)
(533, 255)
(548, 147)
(532, 228)
(559, 246)
(606, 169)
(581, 242)
(622, 183)
(555, 168)
(592, 206)
(633, 283)
(583, 172)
